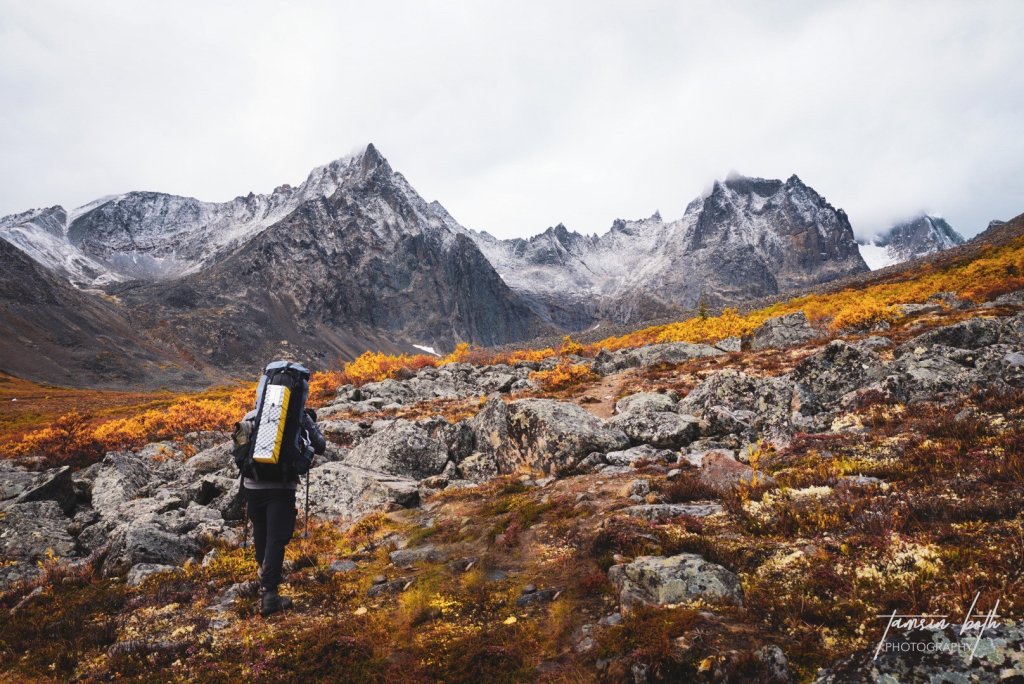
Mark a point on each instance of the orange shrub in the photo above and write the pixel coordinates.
(570, 346)
(565, 374)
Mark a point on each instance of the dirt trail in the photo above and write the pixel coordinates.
(605, 391)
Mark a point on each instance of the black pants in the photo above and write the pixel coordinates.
(272, 512)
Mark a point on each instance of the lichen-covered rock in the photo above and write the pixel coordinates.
(29, 530)
(783, 331)
(646, 401)
(23, 486)
(937, 656)
(634, 455)
(427, 553)
(122, 476)
(346, 491)
(662, 512)
(553, 437)
(657, 580)
(670, 353)
(822, 379)
(720, 471)
(403, 448)
(141, 571)
(658, 428)
(767, 400)
(213, 459)
(973, 333)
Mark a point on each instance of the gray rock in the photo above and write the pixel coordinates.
(343, 490)
(646, 401)
(730, 344)
(340, 566)
(122, 476)
(644, 452)
(783, 331)
(403, 449)
(426, 553)
(657, 428)
(670, 353)
(973, 333)
(31, 529)
(662, 512)
(822, 379)
(552, 437)
(919, 309)
(139, 572)
(766, 402)
(657, 580)
(213, 459)
(50, 485)
(147, 540)
(936, 656)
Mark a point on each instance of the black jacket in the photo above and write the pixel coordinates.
(313, 434)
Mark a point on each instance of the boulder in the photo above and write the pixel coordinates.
(121, 477)
(973, 333)
(22, 486)
(346, 491)
(633, 455)
(657, 428)
(213, 459)
(141, 571)
(932, 655)
(662, 512)
(783, 331)
(765, 402)
(822, 379)
(670, 353)
(926, 372)
(646, 401)
(657, 580)
(29, 530)
(146, 540)
(547, 435)
(403, 448)
(721, 471)
(427, 553)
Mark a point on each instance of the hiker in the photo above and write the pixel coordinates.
(274, 445)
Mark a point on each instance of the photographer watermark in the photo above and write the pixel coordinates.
(971, 625)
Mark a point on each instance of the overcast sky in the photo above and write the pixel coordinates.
(520, 115)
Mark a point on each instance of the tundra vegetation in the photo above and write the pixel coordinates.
(913, 504)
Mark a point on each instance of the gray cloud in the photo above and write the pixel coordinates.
(520, 115)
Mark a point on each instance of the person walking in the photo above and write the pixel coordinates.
(271, 509)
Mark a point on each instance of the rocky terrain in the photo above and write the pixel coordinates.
(353, 259)
(737, 511)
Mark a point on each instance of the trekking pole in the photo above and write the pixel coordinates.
(305, 535)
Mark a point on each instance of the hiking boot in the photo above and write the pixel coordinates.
(272, 602)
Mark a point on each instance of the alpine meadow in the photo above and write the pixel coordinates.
(332, 433)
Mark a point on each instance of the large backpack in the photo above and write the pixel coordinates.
(269, 441)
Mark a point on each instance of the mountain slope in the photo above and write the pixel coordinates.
(371, 266)
(749, 237)
(910, 239)
(55, 333)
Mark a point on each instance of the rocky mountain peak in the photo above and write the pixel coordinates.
(910, 239)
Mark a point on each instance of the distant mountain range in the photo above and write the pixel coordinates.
(921, 235)
(175, 290)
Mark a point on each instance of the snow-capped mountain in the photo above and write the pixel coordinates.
(354, 259)
(747, 238)
(151, 235)
(921, 235)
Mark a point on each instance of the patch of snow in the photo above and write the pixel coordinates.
(876, 257)
(429, 350)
